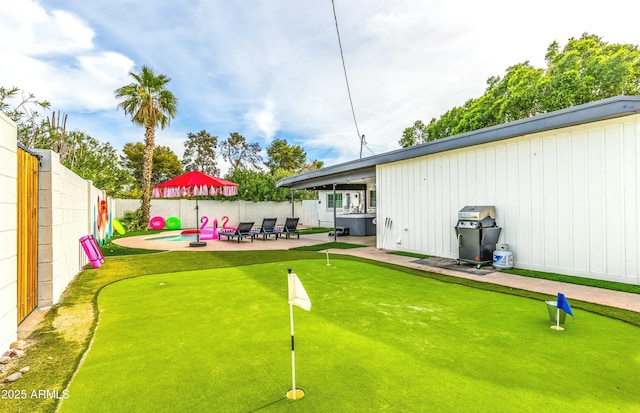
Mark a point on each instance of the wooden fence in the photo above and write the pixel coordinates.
(27, 209)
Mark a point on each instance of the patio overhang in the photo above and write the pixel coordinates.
(323, 179)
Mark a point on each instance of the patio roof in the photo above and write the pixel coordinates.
(361, 170)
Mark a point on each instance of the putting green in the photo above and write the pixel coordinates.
(375, 339)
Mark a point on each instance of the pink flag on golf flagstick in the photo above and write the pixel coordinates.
(297, 294)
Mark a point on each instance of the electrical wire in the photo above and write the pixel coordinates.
(344, 68)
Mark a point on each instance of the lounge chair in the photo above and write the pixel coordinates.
(243, 230)
(290, 227)
(267, 228)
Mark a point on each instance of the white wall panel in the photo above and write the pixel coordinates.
(445, 207)
(537, 216)
(549, 242)
(631, 205)
(454, 200)
(567, 200)
(580, 205)
(429, 180)
(595, 200)
(523, 190)
(613, 160)
(564, 197)
(435, 194)
(8, 232)
(509, 213)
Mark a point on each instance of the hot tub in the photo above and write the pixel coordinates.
(359, 225)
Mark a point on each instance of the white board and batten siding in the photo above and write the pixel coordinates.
(568, 200)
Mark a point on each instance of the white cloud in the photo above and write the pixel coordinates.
(263, 119)
(32, 31)
(272, 69)
(52, 56)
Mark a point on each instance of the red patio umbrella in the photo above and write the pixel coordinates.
(194, 183)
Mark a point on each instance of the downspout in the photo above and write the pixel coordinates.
(364, 200)
(293, 214)
(335, 235)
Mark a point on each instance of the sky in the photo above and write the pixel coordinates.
(271, 69)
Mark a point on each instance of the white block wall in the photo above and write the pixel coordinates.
(8, 232)
(568, 200)
(67, 202)
(236, 210)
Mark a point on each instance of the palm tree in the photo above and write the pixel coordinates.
(150, 105)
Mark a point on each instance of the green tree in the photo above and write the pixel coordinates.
(166, 163)
(443, 127)
(57, 139)
(259, 186)
(150, 104)
(281, 155)
(97, 161)
(414, 135)
(589, 69)
(84, 155)
(585, 70)
(310, 166)
(25, 113)
(256, 185)
(200, 153)
(240, 153)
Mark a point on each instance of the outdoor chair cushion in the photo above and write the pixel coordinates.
(267, 228)
(243, 230)
(290, 227)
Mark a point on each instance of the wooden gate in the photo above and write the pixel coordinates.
(27, 211)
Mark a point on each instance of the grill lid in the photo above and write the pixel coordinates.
(476, 213)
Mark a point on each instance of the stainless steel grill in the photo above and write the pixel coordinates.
(477, 234)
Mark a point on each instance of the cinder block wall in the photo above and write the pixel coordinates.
(8, 232)
(67, 202)
(236, 210)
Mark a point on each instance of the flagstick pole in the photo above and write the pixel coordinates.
(293, 356)
(557, 326)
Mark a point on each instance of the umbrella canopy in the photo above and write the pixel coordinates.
(194, 183)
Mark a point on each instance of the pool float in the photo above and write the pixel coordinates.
(117, 225)
(215, 228)
(157, 222)
(225, 221)
(205, 233)
(173, 223)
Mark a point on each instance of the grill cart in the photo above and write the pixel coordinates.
(477, 235)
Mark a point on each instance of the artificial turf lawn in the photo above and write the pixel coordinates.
(375, 339)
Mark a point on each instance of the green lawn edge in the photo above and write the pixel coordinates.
(572, 279)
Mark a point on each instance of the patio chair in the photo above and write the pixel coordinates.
(290, 227)
(267, 228)
(243, 230)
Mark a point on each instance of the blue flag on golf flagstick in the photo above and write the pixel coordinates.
(563, 304)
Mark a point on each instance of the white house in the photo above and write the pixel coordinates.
(565, 185)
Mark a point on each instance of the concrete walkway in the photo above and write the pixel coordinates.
(487, 274)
